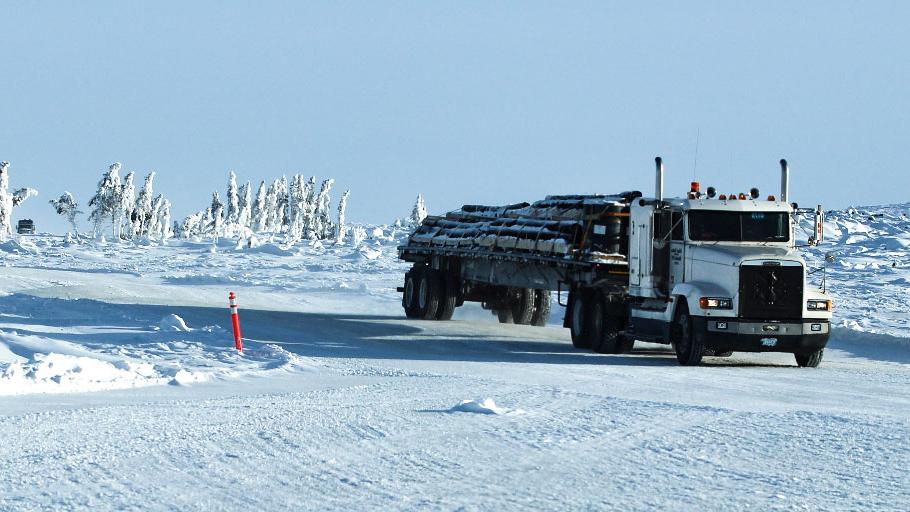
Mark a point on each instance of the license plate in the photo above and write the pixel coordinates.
(769, 342)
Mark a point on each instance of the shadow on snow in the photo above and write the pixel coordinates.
(93, 323)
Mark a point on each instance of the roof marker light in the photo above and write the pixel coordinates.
(722, 197)
(772, 198)
(742, 196)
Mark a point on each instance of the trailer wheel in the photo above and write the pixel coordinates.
(409, 297)
(810, 360)
(604, 327)
(541, 308)
(429, 292)
(578, 321)
(689, 350)
(523, 306)
(505, 316)
(449, 297)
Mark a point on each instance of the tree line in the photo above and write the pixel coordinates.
(296, 208)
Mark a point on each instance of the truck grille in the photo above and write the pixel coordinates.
(771, 292)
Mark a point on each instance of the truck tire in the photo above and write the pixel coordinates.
(689, 350)
(604, 327)
(810, 360)
(624, 345)
(409, 296)
(523, 306)
(578, 319)
(429, 294)
(505, 316)
(541, 308)
(449, 298)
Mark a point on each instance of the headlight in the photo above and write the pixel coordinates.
(818, 305)
(715, 303)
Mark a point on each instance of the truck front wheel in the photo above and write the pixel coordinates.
(689, 350)
(810, 360)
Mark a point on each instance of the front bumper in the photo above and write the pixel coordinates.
(731, 334)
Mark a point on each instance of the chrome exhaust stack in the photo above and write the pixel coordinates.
(784, 181)
(659, 180)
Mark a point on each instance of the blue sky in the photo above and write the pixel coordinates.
(480, 102)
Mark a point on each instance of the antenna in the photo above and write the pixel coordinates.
(695, 162)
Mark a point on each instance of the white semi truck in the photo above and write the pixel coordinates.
(709, 273)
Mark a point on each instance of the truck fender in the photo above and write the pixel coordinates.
(693, 291)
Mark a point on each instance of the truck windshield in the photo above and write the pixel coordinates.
(715, 226)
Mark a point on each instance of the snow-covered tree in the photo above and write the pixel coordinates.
(296, 207)
(244, 218)
(260, 210)
(208, 221)
(154, 224)
(301, 207)
(66, 206)
(277, 200)
(282, 218)
(322, 221)
(271, 205)
(419, 212)
(310, 210)
(192, 225)
(9, 200)
(233, 201)
(106, 201)
(217, 214)
(144, 206)
(358, 235)
(340, 229)
(164, 221)
(128, 202)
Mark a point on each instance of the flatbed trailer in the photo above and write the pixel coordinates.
(509, 257)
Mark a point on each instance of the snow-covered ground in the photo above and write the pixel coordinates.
(870, 277)
(340, 403)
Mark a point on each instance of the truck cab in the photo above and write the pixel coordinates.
(25, 227)
(714, 274)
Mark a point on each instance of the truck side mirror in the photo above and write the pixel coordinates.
(818, 233)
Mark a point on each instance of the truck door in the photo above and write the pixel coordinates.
(677, 249)
(660, 262)
(639, 244)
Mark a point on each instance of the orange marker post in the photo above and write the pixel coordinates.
(235, 321)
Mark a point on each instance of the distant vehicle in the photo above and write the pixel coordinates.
(709, 274)
(25, 227)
